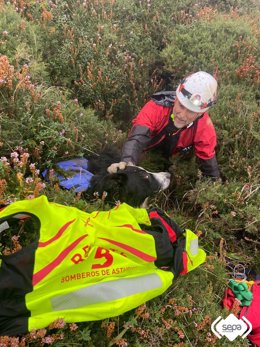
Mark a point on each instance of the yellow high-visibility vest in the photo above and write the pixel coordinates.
(83, 266)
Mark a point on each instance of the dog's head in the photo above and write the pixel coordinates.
(131, 185)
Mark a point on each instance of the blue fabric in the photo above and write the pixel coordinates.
(79, 181)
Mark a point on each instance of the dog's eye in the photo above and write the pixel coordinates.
(144, 175)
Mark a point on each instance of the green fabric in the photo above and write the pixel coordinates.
(241, 292)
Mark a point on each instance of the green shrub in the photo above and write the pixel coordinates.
(236, 117)
(218, 41)
(22, 42)
(105, 63)
(227, 207)
(45, 121)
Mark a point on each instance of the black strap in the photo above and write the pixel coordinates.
(171, 138)
(164, 98)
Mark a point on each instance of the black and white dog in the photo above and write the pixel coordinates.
(132, 185)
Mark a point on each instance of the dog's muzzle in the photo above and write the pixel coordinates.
(163, 178)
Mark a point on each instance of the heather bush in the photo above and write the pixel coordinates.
(105, 61)
(46, 121)
(230, 209)
(237, 121)
(112, 64)
(22, 42)
(216, 43)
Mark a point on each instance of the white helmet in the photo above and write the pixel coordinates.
(198, 92)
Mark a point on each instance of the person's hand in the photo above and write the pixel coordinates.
(113, 168)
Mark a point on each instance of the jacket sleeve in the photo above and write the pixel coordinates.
(146, 124)
(205, 143)
(137, 141)
(209, 167)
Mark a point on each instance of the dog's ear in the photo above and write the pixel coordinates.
(117, 178)
(115, 185)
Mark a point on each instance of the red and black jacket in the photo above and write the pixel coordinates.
(153, 127)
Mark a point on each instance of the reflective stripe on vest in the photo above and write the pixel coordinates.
(106, 291)
(196, 255)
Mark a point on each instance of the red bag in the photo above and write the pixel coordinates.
(252, 313)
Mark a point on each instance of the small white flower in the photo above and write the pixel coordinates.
(14, 155)
(29, 180)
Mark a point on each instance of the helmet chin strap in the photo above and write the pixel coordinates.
(189, 125)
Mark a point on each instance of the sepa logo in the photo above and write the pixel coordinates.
(231, 327)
